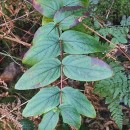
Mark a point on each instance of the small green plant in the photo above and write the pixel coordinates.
(117, 34)
(27, 124)
(59, 52)
(115, 90)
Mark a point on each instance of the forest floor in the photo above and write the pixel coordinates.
(18, 23)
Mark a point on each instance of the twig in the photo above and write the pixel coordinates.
(4, 24)
(106, 40)
(1, 53)
(30, 28)
(14, 109)
(24, 31)
(110, 9)
(15, 40)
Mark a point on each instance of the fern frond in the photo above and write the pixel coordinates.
(114, 86)
(115, 89)
(119, 33)
(116, 111)
(126, 98)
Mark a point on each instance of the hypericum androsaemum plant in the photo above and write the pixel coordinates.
(59, 52)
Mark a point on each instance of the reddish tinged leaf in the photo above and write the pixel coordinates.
(85, 68)
(75, 2)
(48, 30)
(37, 6)
(67, 17)
(47, 7)
(41, 74)
(45, 100)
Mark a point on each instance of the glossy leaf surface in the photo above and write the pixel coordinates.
(70, 116)
(41, 74)
(49, 47)
(49, 120)
(76, 42)
(47, 7)
(85, 68)
(45, 100)
(79, 101)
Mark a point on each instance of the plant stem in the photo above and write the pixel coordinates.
(61, 79)
(61, 58)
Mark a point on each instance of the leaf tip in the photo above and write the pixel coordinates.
(37, 6)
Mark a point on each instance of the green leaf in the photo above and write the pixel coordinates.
(44, 101)
(49, 120)
(46, 20)
(94, 1)
(49, 47)
(84, 127)
(63, 126)
(48, 30)
(79, 101)
(76, 42)
(70, 116)
(85, 68)
(47, 7)
(27, 124)
(118, 33)
(67, 17)
(85, 2)
(75, 2)
(41, 74)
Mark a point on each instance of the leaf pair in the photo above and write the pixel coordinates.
(66, 14)
(49, 8)
(68, 113)
(47, 44)
(77, 67)
(47, 102)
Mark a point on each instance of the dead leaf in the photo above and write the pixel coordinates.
(10, 72)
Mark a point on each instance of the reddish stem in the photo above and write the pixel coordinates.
(61, 58)
(61, 78)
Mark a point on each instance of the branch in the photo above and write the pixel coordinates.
(4, 24)
(15, 40)
(107, 40)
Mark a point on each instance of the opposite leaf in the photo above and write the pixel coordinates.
(75, 2)
(49, 120)
(80, 43)
(49, 47)
(48, 30)
(47, 7)
(75, 98)
(67, 17)
(41, 74)
(70, 116)
(85, 68)
(44, 101)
